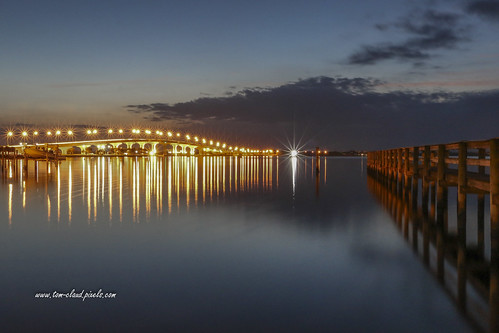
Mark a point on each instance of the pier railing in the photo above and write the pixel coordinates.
(421, 177)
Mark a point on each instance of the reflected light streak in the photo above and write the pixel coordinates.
(177, 181)
(121, 190)
(10, 203)
(24, 194)
(70, 190)
(204, 179)
(169, 185)
(96, 176)
(325, 170)
(196, 181)
(89, 202)
(110, 188)
(208, 174)
(58, 194)
(293, 170)
(188, 183)
(49, 208)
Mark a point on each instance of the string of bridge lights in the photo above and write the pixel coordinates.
(92, 133)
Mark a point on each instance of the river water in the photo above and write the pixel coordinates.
(209, 244)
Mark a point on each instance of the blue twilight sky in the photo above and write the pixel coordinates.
(99, 62)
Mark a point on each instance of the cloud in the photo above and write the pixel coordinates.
(486, 9)
(339, 113)
(428, 31)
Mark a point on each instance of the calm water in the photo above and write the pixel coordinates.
(210, 244)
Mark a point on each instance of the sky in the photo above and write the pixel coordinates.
(338, 74)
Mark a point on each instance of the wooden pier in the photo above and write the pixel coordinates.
(413, 184)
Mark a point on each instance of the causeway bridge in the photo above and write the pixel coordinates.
(120, 141)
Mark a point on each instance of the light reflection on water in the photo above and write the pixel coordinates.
(104, 183)
(211, 244)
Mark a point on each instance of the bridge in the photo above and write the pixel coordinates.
(413, 184)
(120, 141)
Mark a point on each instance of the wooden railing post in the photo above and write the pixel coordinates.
(481, 209)
(461, 225)
(399, 169)
(494, 236)
(441, 211)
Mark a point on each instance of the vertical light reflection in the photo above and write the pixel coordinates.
(83, 178)
(271, 172)
(24, 194)
(169, 184)
(218, 177)
(177, 180)
(110, 188)
(21, 168)
(204, 179)
(293, 170)
(230, 174)
(36, 170)
(188, 183)
(223, 175)
(103, 165)
(325, 170)
(133, 190)
(49, 207)
(70, 190)
(236, 164)
(134, 193)
(160, 187)
(89, 186)
(58, 194)
(96, 180)
(148, 187)
(211, 178)
(257, 171)
(196, 180)
(121, 190)
(277, 173)
(97, 174)
(10, 203)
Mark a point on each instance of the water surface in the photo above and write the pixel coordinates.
(210, 244)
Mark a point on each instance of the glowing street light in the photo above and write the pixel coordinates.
(196, 139)
(204, 140)
(94, 131)
(169, 134)
(178, 134)
(187, 136)
(148, 132)
(120, 131)
(293, 153)
(70, 132)
(89, 132)
(110, 131)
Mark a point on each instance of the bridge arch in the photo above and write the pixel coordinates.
(135, 147)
